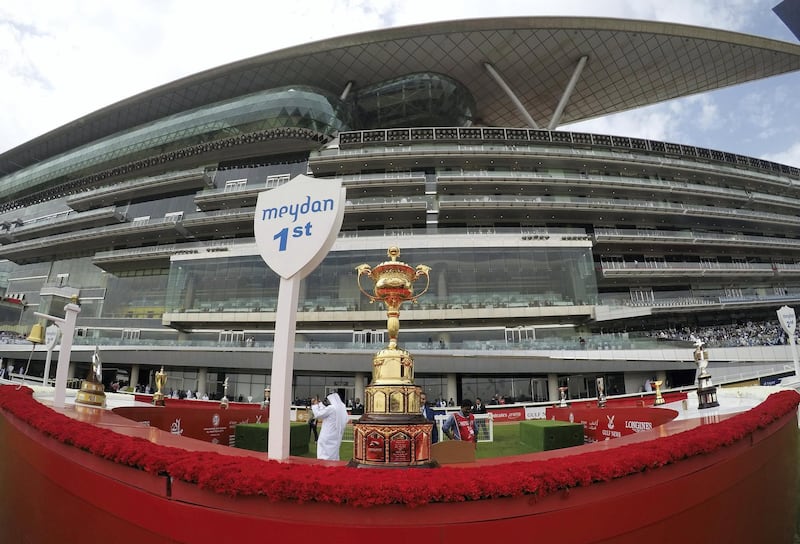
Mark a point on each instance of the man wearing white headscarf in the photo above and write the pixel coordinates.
(333, 416)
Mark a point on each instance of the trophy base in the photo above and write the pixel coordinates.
(92, 394)
(398, 444)
(707, 398)
(158, 400)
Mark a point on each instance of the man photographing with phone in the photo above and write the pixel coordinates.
(332, 412)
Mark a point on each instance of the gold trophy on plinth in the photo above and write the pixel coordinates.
(92, 391)
(392, 432)
(161, 382)
(659, 398)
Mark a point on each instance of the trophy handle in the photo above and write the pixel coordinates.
(423, 270)
(364, 270)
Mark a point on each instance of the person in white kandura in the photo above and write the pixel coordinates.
(333, 415)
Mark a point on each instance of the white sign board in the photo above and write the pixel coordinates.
(296, 224)
(51, 336)
(787, 319)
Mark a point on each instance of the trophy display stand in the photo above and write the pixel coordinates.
(659, 398)
(92, 391)
(562, 403)
(161, 381)
(601, 393)
(392, 433)
(706, 391)
(224, 402)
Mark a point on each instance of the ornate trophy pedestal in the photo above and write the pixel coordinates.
(91, 393)
(392, 433)
(392, 442)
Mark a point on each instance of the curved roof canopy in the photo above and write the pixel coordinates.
(630, 64)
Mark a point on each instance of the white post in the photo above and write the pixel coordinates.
(51, 337)
(282, 368)
(67, 326)
(788, 321)
(295, 226)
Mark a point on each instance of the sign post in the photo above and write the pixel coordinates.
(295, 226)
(50, 340)
(788, 321)
(67, 326)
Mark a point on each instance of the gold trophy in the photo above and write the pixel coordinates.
(392, 432)
(92, 391)
(659, 398)
(161, 381)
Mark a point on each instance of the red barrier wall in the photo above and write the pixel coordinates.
(203, 421)
(607, 423)
(54, 493)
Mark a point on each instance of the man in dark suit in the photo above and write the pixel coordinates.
(429, 414)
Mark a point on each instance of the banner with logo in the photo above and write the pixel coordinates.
(606, 423)
(207, 423)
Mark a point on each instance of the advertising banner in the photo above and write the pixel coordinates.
(606, 423)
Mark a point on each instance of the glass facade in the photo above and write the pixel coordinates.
(415, 100)
(299, 107)
(461, 277)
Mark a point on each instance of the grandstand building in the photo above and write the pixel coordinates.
(549, 249)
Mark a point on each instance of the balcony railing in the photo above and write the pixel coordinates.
(522, 136)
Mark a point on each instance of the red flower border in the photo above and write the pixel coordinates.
(235, 475)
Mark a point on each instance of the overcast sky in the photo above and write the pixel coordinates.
(60, 60)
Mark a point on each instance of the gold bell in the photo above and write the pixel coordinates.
(37, 334)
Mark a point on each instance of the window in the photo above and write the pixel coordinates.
(277, 180)
(235, 185)
(520, 334)
(231, 337)
(131, 334)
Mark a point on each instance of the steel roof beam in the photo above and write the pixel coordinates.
(573, 81)
(513, 97)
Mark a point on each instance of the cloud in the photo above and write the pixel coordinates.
(789, 156)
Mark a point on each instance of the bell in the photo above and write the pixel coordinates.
(37, 334)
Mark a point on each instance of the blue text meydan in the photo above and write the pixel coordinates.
(298, 209)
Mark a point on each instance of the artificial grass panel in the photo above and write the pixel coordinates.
(546, 434)
(255, 437)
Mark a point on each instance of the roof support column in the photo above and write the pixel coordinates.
(573, 81)
(506, 89)
(346, 90)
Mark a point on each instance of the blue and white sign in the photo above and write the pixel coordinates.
(297, 223)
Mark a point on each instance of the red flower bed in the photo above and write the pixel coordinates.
(233, 475)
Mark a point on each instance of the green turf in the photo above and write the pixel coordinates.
(506, 442)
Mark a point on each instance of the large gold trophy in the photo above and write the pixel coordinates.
(392, 432)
